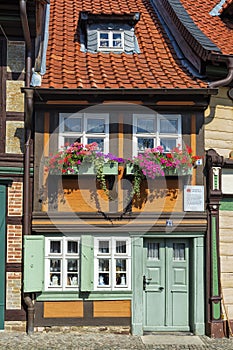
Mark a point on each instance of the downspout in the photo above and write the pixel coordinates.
(228, 79)
(27, 127)
(30, 316)
(27, 37)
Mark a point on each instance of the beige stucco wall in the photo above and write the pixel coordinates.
(219, 135)
(219, 123)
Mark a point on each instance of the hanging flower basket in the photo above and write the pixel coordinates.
(154, 162)
(79, 159)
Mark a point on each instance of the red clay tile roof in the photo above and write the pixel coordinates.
(155, 67)
(212, 26)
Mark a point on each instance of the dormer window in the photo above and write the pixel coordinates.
(110, 39)
(108, 33)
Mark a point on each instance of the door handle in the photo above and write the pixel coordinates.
(146, 281)
(161, 289)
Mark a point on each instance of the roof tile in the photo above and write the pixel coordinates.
(212, 26)
(156, 66)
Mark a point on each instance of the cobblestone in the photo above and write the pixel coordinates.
(79, 341)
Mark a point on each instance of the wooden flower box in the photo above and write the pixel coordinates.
(167, 172)
(110, 168)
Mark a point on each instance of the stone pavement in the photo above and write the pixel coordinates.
(98, 341)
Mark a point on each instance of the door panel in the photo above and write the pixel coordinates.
(154, 281)
(166, 284)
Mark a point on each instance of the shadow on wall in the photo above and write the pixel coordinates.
(19, 133)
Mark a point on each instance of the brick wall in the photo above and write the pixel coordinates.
(14, 246)
(14, 144)
(15, 199)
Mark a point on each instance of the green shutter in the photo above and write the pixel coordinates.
(2, 253)
(33, 263)
(87, 262)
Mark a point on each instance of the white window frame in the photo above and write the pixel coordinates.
(67, 283)
(83, 134)
(112, 256)
(156, 135)
(110, 33)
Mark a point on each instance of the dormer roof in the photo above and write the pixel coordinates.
(211, 25)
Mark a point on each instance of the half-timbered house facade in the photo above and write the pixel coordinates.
(132, 246)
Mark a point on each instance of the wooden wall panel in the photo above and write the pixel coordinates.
(84, 198)
(63, 309)
(162, 196)
(115, 308)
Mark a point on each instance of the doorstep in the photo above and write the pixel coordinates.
(171, 339)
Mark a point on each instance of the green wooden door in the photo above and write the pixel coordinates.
(166, 285)
(2, 253)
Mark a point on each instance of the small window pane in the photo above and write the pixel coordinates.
(178, 251)
(100, 142)
(144, 143)
(72, 247)
(153, 251)
(121, 272)
(120, 264)
(55, 247)
(72, 272)
(117, 40)
(168, 144)
(103, 264)
(72, 265)
(55, 272)
(104, 247)
(72, 279)
(121, 247)
(145, 126)
(104, 40)
(103, 279)
(95, 126)
(55, 280)
(73, 124)
(55, 265)
(169, 126)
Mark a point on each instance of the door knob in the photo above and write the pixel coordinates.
(161, 288)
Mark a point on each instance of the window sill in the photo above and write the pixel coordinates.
(92, 295)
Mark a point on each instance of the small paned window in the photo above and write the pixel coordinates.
(112, 263)
(110, 39)
(153, 251)
(178, 251)
(62, 263)
(154, 130)
(84, 128)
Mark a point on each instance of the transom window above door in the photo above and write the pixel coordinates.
(154, 130)
(84, 128)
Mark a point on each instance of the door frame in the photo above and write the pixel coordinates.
(197, 287)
